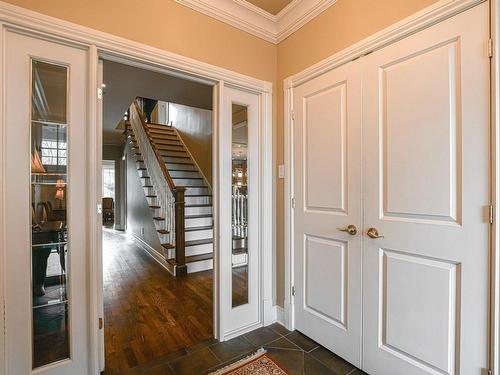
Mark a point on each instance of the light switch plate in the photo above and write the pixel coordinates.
(281, 171)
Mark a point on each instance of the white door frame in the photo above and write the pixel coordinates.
(427, 17)
(110, 47)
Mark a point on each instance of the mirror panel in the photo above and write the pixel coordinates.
(49, 235)
(239, 205)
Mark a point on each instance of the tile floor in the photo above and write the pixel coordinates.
(294, 351)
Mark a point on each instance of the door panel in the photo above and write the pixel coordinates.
(327, 191)
(46, 254)
(239, 227)
(426, 191)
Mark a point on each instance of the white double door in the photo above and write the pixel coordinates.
(396, 144)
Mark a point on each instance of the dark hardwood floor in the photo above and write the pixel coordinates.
(149, 314)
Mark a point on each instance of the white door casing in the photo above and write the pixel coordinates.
(327, 167)
(426, 190)
(240, 319)
(19, 51)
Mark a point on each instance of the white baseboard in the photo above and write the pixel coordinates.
(150, 251)
(281, 316)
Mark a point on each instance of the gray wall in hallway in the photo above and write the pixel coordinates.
(115, 153)
(139, 215)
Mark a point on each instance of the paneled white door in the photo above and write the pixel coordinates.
(426, 191)
(327, 215)
(46, 317)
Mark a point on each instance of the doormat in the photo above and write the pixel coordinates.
(258, 363)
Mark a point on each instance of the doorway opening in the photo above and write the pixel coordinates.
(157, 262)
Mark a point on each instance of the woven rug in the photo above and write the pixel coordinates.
(256, 364)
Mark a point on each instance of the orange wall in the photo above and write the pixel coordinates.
(173, 27)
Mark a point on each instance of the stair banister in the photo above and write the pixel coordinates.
(171, 197)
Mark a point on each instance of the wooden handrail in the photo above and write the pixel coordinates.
(164, 169)
(179, 210)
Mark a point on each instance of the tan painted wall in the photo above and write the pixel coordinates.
(341, 25)
(172, 27)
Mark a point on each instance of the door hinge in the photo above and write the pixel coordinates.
(293, 202)
(293, 291)
(99, 93)
(490, 48)
(491, 213)
(490, 372)
(292, 112)
(101, 323)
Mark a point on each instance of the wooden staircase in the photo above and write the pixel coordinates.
(196, 223)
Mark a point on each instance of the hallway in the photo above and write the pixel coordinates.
(148, 313)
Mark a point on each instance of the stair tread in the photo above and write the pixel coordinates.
(179, 162)
(186, 178)
(193, 258)
(151, 196)
(158, 218)
(197, 195)
(147, 186)
(195, 229)
(142, 169)
(155, 207)
(163, 231)
(197, 205)
(167, 245)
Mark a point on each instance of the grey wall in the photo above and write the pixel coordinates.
(139, 215)
(124, 83)
(195, 127)
(115, 152)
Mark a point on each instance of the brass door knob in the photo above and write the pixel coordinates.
(351, 229)
(373, 233)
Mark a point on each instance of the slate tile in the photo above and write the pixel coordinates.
(261, 336)
(194, 363)
(302, 341)
(332, 361)
(231, 349)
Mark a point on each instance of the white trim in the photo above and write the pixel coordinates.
(256, 21)
(281, 316)
(429, 16)
(3, 292)
(495, 191)
(93, 139)
(149, 250)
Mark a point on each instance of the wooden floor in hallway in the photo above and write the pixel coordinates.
(149, 314)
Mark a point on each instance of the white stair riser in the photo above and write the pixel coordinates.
(174, 174)
(199, 234)
(196, 190)
(198, 200)
(198, 210)
(198, 222)
(202, 265)
(193, 250)
(184, 167)
(188, 182)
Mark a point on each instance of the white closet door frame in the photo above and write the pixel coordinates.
(439, 11)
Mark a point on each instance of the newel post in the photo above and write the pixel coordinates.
(180, 242)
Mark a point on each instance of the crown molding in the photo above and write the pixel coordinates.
(256, 21)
